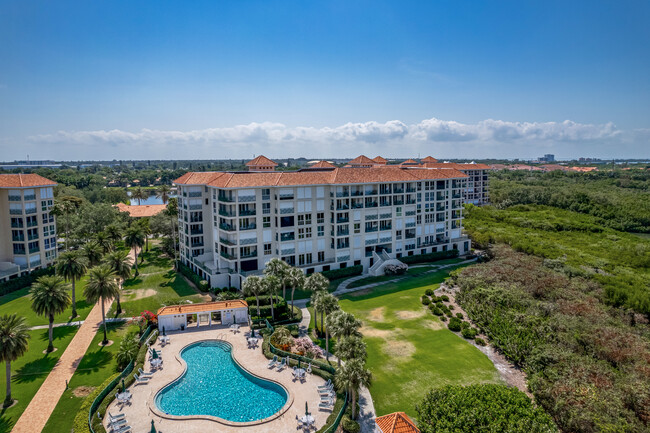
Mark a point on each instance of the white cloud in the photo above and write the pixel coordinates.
(392, 138)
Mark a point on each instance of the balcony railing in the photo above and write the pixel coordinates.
(196, 231)
(287, 237)
(343, 220)
(384, 216)
(371, 217)
(357, 205)
(343, 246)
(30, 197)
(342, 232)
(32, 237)
(342, 207)
(286, 210)
(228, 256)
(371, 229)
(227, 227)
(196, 207)
(356, 193)
(14, 198)
(32, 223)
(194, 194)
(343, 259)
(409, 225)
(286, 196)
(371, 204)
(248, 227)
(18, 238)
(226, 199)
(34, 250)
(373, 192)
(227, 214)
(409, 213)
(386, 240)
(266, 197)
(287, 251)
(371, 241)
(384, 228)
(249, 255)
(247, 198)
(247, 241)
(398, 190)
(15, 211)
(197, 245)
(342, 194)
(247, 212)
(227, 241)
(398, 202)
(16, 225)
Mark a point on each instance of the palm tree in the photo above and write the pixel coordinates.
(120, 263)
(114, 232)
(13, 344)
(295, 279)
(163, 192)
(64, 206)
(93, 253)
(350, 377)
(350, 348)
(316, 283)
(253, 286)
(72, 266)
(271, 286)
(172, 213)
(341, 324)
(104, 242)
(134, 239)
(327, 305)
(146, 229)
(278, 268)
(101, 287)
(50, 297)
(316, 301)
(139, 194)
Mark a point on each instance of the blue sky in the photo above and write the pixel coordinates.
(216, 79)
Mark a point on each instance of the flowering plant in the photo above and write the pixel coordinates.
(305, 347)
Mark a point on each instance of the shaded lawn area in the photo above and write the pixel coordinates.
(30, 371)
(305, 294)
(155, 286)
(409, 349)
(95, 367)
(20, 302)
(414, 270)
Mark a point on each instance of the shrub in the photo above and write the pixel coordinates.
(445, 298)
(448, 314)
(437, 311)
(432, 306)
(468, 332)
(128, 350)
(459, 315)
(431, 257)
(265, 300)
(395, 269)
(428, 292)
(451, 307)
(480, 341)
(463, 324)
(425, 300)
(443, 318)
(436, 299)
(24, 281)
(80, 424)
(349, 425)
(454, 324)
(204, 286)
(350, 271)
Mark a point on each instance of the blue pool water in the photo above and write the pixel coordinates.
(215, 385)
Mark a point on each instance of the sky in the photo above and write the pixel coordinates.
(324, 79)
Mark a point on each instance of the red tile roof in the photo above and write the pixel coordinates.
(261, 161)
(145, 210)
(362, 160)
(24, 181)
(397, 422)
(322, 164)
(429, 159)
(410, 162)
(379, 160)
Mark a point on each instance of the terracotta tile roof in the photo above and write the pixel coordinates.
(322, 164)
(429, 159)
(362, 160)
(145, 210)
(379, 160)
(410, 162)
(397, 422)
(457, 166)
(261, 160)
(554, 167)
(201, 308)
(24, 181)
(345, 175)
(472, 166)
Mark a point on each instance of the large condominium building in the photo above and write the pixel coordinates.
(27, 228)
(320, 218)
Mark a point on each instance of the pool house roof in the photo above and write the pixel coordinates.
(205, 307)
(397, 422)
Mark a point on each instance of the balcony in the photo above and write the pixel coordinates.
(340, 220)
(226, 214)
(410, 236)
(32, 237)
(398, 202)
(30, 197)
(247, 227)
(14, 198)
(227, 227)
(384, 216)
(356, 193)
(371, 217)
(343, 259)
(15, 211)
(371, 204)
(226, 199)
(196, 231)
(343, 246)
(342, 194)
(287, 251)
(247, 198)
(196, 206)
(227, 242)
(286, 210)
(410, 189)
(371, 229)
(342, 207)
(371, 241)
(409, 225)
(249, 255)
(357, 205)
(194, 194)
(371, 192)
(385, 240)
(409, 213)
(228, 256)
(398, 190)
(18, 238)
(34, 250)
(16, 225)
(343, 232)
(247, 212)
(32, 223)
(248, 241)
(385, 228)
(287, 237)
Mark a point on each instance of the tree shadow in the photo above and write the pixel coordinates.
(180, 286)
(34, 370)
(6, 424)
(58, 333)
(94, 361)
(132, 282)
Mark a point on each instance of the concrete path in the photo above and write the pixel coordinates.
(81, 322)
(304, 323)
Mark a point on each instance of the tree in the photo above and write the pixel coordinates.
(316, 282)
(101, 287)
(49, 297)
(72, 266)
(295, 279)
(271, 286)
(351, 347)
(14, 336)
(253, 287)
(128, 351)
(139, 194)
(120, 263)
(104, 242)
(483, 407)
(279, 269)
(172, 213)
(341, 324)
(350, 377)
(114, 232)
(93, 253)
(134, 239)
(327, 305)
(146, 229)
(163, 192)
(64, 206)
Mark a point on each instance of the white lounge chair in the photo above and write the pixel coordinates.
(140, 380)
(144, 374)
(122, 429)
(282, 364)
(327, 405)
(327, 385)
(116, 417)
(273, 361)
(118, 423)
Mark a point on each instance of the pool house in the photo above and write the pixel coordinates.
(180, 317)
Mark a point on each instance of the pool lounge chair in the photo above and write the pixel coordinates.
(116, 417)
(140, 380)
(282, 364)
(328, 385)
(118, 423)
(121, 429)
(144, 374)
(327, 405)
(273, 361)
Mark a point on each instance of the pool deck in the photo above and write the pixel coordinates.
(139, 413)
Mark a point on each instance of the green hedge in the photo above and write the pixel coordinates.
(80, 424)
(264, 300)
(431, 257)
(24, 281)
(343, 273)
(199, 282)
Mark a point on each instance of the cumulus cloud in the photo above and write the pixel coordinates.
(391, 137)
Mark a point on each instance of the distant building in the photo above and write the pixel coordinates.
(547, 158)
(30, 164)
(27, 228)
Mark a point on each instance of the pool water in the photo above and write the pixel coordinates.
(214, 384)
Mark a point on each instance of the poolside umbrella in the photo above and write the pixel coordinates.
(154, 354)
(164, 334)
(153, 428)
(298, 362)
(306, 409)
(123, 387)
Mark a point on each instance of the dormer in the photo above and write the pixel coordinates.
(261, 163)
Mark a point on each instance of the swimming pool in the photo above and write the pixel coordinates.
(215, 385)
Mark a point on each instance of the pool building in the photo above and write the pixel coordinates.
(179, 317)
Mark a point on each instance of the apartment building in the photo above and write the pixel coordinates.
(318, 219)
(27, 228)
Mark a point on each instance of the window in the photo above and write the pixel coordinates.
(301, 233)
(266, 208)
(308, 232)
(308, 258)
(321, 231)
(301, 220)
(398, 211)
(320, 218)
(286, 221)
(321, 256)
(301, 259)
(267, 249)
(266, 222)
(357, 227)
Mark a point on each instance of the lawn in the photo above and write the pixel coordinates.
(409, 349)
(95, 367)
(30, 371)
(304, 294)
(155, 286)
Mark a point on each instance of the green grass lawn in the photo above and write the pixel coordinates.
(409, 349)
(304, 294)
(30, 371)
(157, 285)
(19, 302)
(95, 367)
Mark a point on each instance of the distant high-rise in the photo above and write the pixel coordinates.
(547, 158)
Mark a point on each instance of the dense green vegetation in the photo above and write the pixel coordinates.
(481, 408)
(587, 362)
(617, 199)
(573, 243)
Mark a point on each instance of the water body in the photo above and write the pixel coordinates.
(151, 200)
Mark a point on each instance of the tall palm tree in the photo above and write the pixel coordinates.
(341, 324)
(13, 344)
(72, 266)
(65, 206)
(253, 286)
(316, 283)
(120, 263)
(104, 242)
(278, 268)
(146, 229)
(134, 239)
(271, 286)
(316, 302)
(163, 192)
(50, 297)
(114, 232)
(327, 305)
(350, 377)
(172, 213)
(139, 194)
(295, 279)
(101, 287)
(350, 348)
(93, 253)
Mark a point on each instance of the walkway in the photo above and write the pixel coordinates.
(42, 405)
